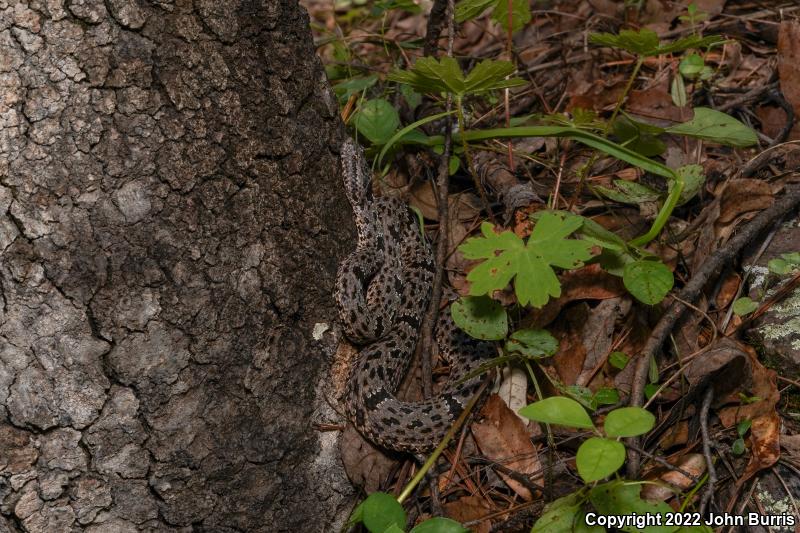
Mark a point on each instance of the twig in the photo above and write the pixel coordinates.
(663, 462)
(442, 190)
(708, 493)
(691, 291)
(435, 20)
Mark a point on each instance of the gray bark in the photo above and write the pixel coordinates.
(170, 224)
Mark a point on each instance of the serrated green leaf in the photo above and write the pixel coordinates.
(469, 9)
(377, 120)
(557, 520)
(715, 126)
(481, 317)
(628, 422)
(520, 14)
(439, 525)
(532, 343)
(643, 42)
(744, 306)
(507, 257)
(558, 410)
(618, 360)
(598, 458)
(489, 75)
(648, 281)
(685, 43)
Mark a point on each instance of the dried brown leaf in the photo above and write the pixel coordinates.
(502, 437)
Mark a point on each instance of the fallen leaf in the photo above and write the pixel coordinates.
(691, 463)
(728, 290)
(503, 438)
(468, 508)
(789, 62)
(365, 464)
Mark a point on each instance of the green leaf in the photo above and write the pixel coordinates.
(582, 395)
(597, 234)
(677, 90)
(647, 281)
(743, 427)
(629, 192)
(691, 66)
(394, 529)
(558, 410)
(520, 14)
(382, 6)
(744, 306)
(379, 512)
(639, 136)
(489, 75)
(738, 447)
(481, 317)
(352, 86)
(629, 422)
(558, 519)
(377, 120)
(692, 41)
(598, 458)
(606, 396)
(412, 97)
(439, 525)
(531, 264)
(445, 76)
(469, 9)
(643, 42)
(693, 180)
(532, 343)
(622, 498)
(778, 266)
(618, 360)
(614, 262)
(404, 133)
(715, 126)
(650, 389)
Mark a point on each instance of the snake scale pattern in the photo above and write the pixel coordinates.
(382, 292)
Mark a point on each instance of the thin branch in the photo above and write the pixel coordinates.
(708, 493)
(692, 290)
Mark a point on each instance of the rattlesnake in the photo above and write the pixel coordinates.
(382, 292)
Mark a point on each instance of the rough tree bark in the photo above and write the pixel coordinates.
(170, 224)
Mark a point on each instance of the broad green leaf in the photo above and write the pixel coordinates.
(558, 410)
(557, 520)
(618, 360)
(622, 498)
(377, 120)
(598, 458)
(614, 261)
(743, 427)
(394, 529)
(481, 317)
(715, 126)
(520, 14)
(531, 264)
(532, 343)
(738, 447)
(629, 192)
(691, 66)
(693, 180)
(650, 389)
(439, 525)
(744, 306)
(597, 234)
(379, 512)
(606, 396)
(469, 9)
(639, 136)
(647, 281)
(785, 264)
(352, 86)
(628, 422)
(582, 395)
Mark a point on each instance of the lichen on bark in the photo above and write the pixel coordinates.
(167, 193)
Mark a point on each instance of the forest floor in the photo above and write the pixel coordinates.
(662, 137)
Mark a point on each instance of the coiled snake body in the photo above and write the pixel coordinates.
(382, 291)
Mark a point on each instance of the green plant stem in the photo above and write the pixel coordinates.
(409, 488)
(663, 214)
(468, 158)
(639, 63)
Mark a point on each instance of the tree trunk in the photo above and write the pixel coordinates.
(171, 224)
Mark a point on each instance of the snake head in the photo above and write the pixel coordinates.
(356, 174)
